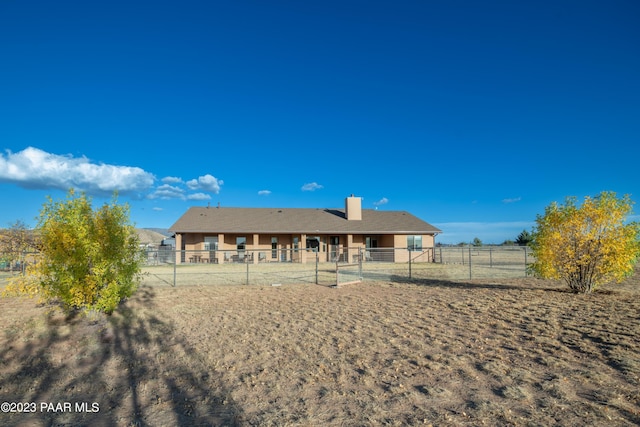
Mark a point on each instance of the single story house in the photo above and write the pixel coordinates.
(297, 234)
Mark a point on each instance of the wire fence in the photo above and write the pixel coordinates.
(487, 262)
(178, 268)
(167, 267)
(17, 262)
(344, 265)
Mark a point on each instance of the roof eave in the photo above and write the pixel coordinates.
(434, 232)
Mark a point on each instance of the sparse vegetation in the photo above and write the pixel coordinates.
(434, 352)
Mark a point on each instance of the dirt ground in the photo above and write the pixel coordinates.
(521, 352)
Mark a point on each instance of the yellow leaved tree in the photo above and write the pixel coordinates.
(588, 245)
(89, 260)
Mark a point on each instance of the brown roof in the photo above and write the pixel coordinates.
(298, 220)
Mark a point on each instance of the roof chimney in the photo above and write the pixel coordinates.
(353, 208)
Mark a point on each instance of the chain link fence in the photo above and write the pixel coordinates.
(486, 262)
(305, 266)
(344, 265)
(232, 267)
(16, 262)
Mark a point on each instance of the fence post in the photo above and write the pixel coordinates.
(525, 260)
(246, 261)
(360, 263)
(317, 283)
(175, 266)
(470, 262)
(409, 262)
(490, 257)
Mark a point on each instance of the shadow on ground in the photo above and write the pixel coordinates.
(129, 369)
(444, 283)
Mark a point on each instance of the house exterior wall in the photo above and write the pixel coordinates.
(402, 255)
(261, 246)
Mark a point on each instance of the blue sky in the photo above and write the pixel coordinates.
(472, 115)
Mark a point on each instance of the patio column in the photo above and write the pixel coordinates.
(303, 248)
(256, 246)
(220, 254)
(178, 248)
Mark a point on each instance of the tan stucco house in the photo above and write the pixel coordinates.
(298, 234)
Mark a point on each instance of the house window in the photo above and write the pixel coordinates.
(274, 248)
(296, 244)
(371, 242)
(414, 243)
(313, 243)
(211, 243)
(241, 243)
(334, 242)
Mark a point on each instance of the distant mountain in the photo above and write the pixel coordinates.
(164, 231)
(152, 236)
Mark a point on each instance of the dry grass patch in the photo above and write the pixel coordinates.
(490, 352)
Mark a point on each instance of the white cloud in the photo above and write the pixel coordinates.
(264, 192)
(206, 183)
(172, 180)
(513, 200)
(198, 196)
(174, 188)
(35, 168)
(167, 191)
(380, 202)
(158, 209)
(312, 186)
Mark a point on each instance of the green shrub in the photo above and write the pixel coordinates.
(89, 259)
